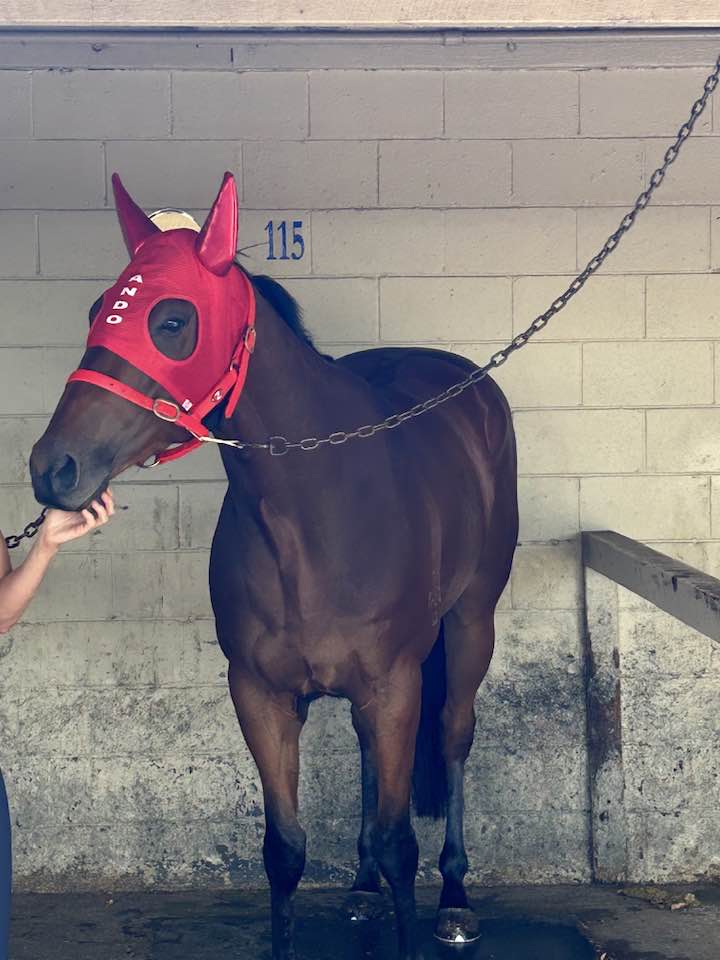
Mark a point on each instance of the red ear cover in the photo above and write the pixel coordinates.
(216, 244)
(135, 224)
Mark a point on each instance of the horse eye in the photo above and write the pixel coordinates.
(172, 325)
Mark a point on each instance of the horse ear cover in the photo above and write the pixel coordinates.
(216, 244)
(188, 265)
(136, 226)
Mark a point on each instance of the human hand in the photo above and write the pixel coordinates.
(62, 526)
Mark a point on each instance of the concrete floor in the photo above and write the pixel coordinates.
(522, 923)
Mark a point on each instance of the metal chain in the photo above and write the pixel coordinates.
(278, 446)
(28, 533)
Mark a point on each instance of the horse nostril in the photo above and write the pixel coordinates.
(65, 475)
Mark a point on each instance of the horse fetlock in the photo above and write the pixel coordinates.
(453, 863)
(284, 855)
(368, 877)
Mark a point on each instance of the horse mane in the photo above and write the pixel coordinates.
(283, 303)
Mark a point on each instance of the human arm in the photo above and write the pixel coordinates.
(18, 586)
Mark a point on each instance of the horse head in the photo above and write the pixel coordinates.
(169, 342)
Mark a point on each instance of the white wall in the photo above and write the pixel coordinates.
(359, 13)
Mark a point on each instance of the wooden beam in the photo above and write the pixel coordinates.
(683, 591)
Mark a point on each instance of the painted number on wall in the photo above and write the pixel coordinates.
(285, 241)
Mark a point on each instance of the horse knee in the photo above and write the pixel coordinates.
(284, 854)
(396, 850)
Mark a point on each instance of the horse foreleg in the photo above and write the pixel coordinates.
(364, 901)
(271, 725)
(469, 640)
(389, 725)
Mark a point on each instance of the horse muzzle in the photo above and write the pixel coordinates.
(61, 479)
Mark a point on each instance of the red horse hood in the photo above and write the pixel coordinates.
(167, 265)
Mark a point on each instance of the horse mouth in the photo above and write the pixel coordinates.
(67, 503)
(57, 489)
(96, 496)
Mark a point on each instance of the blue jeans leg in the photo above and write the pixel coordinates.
(5, 871)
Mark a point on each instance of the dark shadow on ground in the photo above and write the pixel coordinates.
(519, 923)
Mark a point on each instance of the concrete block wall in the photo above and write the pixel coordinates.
(448, 190)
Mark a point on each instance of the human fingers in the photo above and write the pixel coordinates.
(88, 520)
(100, 513)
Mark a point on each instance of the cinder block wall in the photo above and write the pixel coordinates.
(449, 187)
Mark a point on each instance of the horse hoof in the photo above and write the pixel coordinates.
(457, 925)
(363, 905)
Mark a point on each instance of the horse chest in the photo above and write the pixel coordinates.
(314, 660)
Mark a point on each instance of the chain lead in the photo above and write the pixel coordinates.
(28, 533)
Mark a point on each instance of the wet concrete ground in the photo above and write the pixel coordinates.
(520, 923)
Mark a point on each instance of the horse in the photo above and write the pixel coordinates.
(368, 570)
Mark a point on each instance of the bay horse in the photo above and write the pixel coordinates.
(368, 570)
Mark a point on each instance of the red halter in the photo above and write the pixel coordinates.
(194, 267)
(231, 384)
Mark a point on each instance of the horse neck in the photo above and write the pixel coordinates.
(291, 391)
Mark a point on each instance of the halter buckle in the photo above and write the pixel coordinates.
(161, 407)
(250, 339)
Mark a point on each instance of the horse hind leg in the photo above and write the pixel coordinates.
(469, 641)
